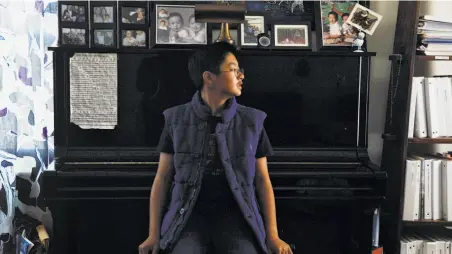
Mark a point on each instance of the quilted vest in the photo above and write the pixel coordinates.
(237, 139)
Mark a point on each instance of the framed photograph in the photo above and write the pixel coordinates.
(103, 19)
(133, 24)
(73, 24)
(249, 30)
(364, 19)
(176, 25)
(134, 38)
(296, 36)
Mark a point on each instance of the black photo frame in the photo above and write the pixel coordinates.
(104, 25)
(73, 24)
(241, 34)
(157, 33)
(303, 27)
(133, 23)
(321, 27)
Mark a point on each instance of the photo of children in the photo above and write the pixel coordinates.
(335, 29)
(252, 27)
(73, 13)
(133, 15)
(291, 35)
(177, 25)
(134, 38)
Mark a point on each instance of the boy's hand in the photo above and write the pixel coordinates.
(149, 245)
(278, 246)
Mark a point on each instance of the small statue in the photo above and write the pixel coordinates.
(359, 41)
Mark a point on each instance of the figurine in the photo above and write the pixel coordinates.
(359, 41)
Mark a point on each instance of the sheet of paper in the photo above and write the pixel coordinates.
(94, 90)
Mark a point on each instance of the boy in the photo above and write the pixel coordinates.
(213, 152)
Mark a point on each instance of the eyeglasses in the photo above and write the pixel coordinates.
(237, 71)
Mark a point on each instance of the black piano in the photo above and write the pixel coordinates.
(325, 184)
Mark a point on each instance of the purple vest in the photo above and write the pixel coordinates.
(237, 138)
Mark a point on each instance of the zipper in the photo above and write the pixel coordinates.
(194, 195)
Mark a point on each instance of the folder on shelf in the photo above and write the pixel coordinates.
(412, 190)
(414, 88)
(431, 106)
(420, 118)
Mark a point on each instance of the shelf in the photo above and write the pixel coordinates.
(433, 58)
(430, 140)
(428, 223)
(255, 52)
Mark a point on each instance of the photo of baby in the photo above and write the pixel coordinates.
(133, 15)
(134, 38)
(177, 25)
(335, 29)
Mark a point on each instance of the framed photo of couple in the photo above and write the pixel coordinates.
(175, 24)
(103, 16)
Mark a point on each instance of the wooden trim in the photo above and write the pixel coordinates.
(430, 140)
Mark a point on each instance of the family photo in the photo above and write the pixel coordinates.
(176, 24)
(103, 14)
(252, 27)
(73, 36)
(134, 38)
(73, 13)
(291, 35)
(133, 15)
(104, 37)
(336, 30)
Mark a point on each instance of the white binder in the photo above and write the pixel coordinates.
(420, 117)
(411, 202)
(414, 88)
(431, 107)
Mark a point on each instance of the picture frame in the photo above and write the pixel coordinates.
(340, 11)
(186, 35)
(73, 24)
(103, 24)
(133, 24)
(292, 36)
(247, 32)
(362, 18)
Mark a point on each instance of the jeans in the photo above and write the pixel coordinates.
(228, 232)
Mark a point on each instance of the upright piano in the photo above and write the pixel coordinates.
(325, 184)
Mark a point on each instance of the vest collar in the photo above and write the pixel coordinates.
(203, 111)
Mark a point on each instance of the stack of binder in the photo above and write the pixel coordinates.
(425, 242)
(434, 36)
(430, 107)
(428, 188)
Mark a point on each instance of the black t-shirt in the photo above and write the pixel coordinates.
(215, 194)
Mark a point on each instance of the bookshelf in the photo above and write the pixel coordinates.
(396, 141)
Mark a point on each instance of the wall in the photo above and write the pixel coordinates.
(382, 43)
(27, 28)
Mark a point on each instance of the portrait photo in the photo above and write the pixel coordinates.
(73, 13)
(133, 15)
(104, 37)
(73, 36)
(364, 19)
(291, 35)
(250, 29)
(335, 29)
(134, 38)
(176, 24)
(103, 14)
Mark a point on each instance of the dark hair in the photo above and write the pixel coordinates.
(209, 58)
(176, 14)
(334, 14)
(345, 14)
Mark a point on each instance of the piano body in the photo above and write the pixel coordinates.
(326, 186)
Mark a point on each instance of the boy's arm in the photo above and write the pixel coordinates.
(266, 197)
(159, 191)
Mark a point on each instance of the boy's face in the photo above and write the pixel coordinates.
(227, 82)
(345, 18)
(175, 23)
(332, 18)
